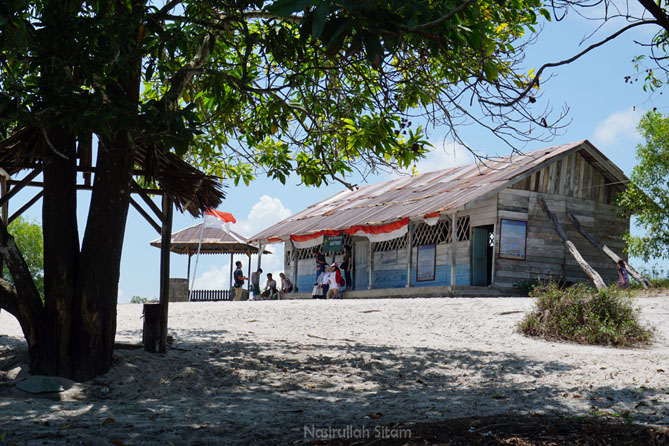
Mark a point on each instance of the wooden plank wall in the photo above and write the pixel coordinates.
(546, 253)
(573, 176)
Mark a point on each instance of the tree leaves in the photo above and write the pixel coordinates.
(647, 196)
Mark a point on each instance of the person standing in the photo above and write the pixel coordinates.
(239, 279)
(255, 283)
(325, 282)
(320, 262)
(347, 266)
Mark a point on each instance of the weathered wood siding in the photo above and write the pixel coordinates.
(546, 253)
(573, 176)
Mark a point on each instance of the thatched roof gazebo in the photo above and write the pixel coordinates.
(211, 241)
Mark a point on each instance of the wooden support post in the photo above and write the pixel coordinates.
(4, 177)
(454, 248)
(165, 270)
(261, 248)
(232, 255)
(409, 243)
(248, 274)
(371, 266)
(587, 269)
(151, 327)
(5, 206)
(190, 254)
(589, 237)
(295, 261)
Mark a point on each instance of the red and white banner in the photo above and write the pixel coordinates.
(218, 219)
(311, 240)
(381, 233)
(375, 233)
(431, 219)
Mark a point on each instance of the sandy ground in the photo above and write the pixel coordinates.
(290, 372)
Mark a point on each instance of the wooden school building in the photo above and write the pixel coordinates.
(472, 228)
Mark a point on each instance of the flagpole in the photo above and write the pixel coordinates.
(197, 257)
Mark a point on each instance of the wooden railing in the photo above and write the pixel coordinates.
(210, 295)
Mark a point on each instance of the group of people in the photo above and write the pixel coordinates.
(271, 290)
(329, 280)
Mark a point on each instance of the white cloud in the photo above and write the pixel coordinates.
(264, 213)
(444, 155)
(618, 127)
(215, 278)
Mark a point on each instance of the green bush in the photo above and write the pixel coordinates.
(141, 300)
(580, 314)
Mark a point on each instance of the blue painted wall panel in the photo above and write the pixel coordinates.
(397, 278)
(306, 283)
(390, 278)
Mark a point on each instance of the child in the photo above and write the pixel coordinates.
(333, 278)
(317, 293)
(623, 277)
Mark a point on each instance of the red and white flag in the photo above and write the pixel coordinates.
(218, 219)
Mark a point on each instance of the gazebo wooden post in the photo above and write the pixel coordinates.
(232, 258)
(165, 270)
(190, 254)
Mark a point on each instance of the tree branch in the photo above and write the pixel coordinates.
(8, 299)
(444, 17)
(535, 81)
(657, 12)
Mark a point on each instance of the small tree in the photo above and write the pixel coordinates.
(28, 237)
(648, 195)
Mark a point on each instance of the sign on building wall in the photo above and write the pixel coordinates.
(333, 243)
(425, 262)
(512, 239)
(388, 257)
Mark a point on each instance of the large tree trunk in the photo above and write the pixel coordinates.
(99, 265)
(100, 260)
(61, 245)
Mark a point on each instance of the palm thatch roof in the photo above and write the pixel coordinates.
(189, 188)
(211, 241)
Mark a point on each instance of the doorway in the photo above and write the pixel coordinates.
(483, 240)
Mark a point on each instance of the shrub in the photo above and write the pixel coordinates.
(141, 300)
(580, 314)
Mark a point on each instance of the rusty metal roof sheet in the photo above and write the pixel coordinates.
(439, 191)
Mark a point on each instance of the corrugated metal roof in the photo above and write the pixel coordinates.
(439, 191)
(214, 241)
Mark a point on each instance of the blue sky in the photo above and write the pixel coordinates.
(603, 109)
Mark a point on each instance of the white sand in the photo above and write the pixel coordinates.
(259, 372)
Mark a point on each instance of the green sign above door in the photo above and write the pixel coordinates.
(332, 243)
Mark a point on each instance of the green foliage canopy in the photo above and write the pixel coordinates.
(28, 238)
(648, 195)
(315, 87)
